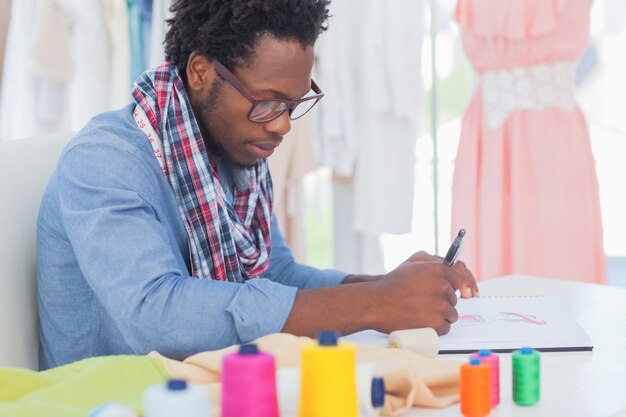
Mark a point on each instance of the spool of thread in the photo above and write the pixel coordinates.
(249, 384)
(328, 378)
(370, 390)
(526, 376)
(113, 410)
(475, 388)
(176, 398)
(378, 393)
(486, 356)
(424, 341)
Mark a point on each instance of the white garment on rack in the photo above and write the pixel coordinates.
(338, 75)
(89, 91)
(392, 100)
(291, 161)
(53, 65)
(25, 108)
(160, 12)
(116, 15)
(614, 15)
(51, 29)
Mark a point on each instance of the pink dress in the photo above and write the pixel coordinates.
(525, 186)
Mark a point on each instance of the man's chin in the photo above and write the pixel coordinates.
(240, 162)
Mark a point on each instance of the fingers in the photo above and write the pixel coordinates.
(428, 301)
(449, 316)
(422, 256)
(444, 316)
(451, 296)
(452, 315)
(469, 287)
(443, 328)
(455, 278)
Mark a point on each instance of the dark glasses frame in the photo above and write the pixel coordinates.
(290, 105)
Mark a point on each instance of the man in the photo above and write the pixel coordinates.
(156, 230)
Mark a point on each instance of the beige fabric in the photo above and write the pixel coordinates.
(293, 159)
(410, 379)
(50, 57)
(5, 15)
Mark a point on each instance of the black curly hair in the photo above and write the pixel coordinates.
(228, 30)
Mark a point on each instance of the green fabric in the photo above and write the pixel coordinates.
(74, 390)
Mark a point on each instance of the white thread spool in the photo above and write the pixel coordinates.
(424, 341)
(176, 398)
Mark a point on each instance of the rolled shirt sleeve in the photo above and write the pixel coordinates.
(260, 307)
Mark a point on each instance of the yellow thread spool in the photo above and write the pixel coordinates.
(328, 379)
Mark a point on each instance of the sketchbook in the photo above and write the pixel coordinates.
(507, 323)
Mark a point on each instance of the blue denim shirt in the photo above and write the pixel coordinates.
(113, 260)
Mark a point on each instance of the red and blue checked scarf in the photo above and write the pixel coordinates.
(227, 241)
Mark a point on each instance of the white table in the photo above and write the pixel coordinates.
(573, 384)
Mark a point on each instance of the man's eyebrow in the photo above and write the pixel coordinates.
(276, 93)
(281, 95)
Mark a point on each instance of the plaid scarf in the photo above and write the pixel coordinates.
(227, 241)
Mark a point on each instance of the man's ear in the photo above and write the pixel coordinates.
(200, 72)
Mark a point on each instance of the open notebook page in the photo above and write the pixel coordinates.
(506, 323)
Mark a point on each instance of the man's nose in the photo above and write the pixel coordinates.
(280, 125)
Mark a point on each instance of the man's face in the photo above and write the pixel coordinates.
(278, 70)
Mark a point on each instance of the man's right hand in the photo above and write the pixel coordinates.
(418, 294)
(414, 295)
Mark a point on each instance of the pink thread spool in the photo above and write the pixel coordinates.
(249, 384)
(485, 356)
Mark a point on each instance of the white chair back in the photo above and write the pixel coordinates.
(25, 167)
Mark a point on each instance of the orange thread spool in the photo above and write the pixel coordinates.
(475, 389)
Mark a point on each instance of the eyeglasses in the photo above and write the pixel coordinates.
(266, 110)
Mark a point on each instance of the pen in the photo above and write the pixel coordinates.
(454, 250)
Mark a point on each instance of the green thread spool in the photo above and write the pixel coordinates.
(526, 376)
